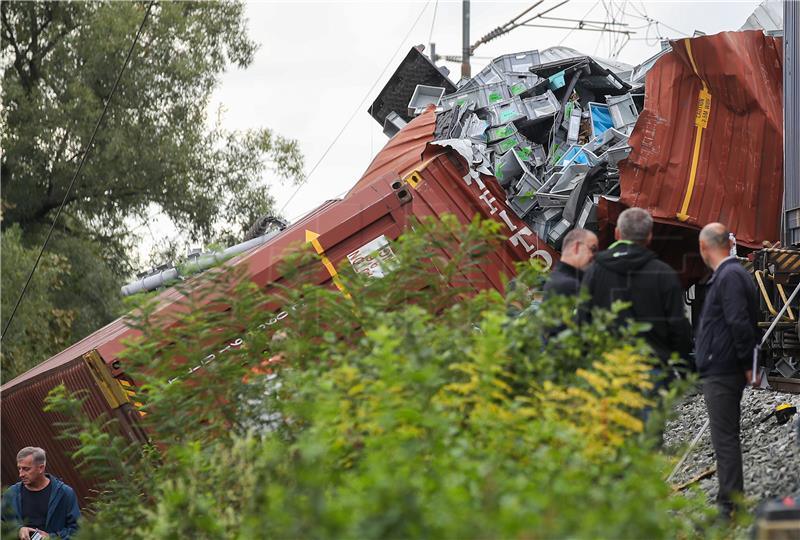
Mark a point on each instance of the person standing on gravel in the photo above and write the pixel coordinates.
(727, 335)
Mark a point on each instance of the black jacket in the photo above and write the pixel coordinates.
(728, 330)
(565, 280)
(632, 273)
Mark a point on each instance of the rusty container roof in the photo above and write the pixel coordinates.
(708, 145)
(403, 152)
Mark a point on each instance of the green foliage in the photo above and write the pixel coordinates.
(413, 406)
(153, 153)
(153, 147)
(41, 326)
(108, 456)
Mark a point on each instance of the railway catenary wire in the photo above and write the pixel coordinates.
(355, 111)
(78, 170)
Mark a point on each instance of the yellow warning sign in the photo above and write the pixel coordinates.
(703, 108)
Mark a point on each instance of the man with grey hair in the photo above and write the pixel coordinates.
(40, 505)
(726, 338)
(630, 272)
(577, 253)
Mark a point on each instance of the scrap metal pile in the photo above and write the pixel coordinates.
(551, 133)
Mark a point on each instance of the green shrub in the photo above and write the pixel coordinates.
(411, 406)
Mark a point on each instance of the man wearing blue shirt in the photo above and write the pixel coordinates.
(40, 502)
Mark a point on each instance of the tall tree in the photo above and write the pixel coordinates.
(155, 148)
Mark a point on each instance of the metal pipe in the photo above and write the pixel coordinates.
(466, 71)
(583, 28)
(202, 262)
(211, 258)
(688, 450)
(151, 282)
(790, 224)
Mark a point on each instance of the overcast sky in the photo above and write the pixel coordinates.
(318, 60)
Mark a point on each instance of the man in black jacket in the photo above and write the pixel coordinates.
(726, 338)
(577, 253)
(630, 272)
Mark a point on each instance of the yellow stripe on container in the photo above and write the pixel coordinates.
(701, 123)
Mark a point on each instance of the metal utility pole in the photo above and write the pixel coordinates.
(791, 123)
(466, 72)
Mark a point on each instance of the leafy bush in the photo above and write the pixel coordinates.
(40, 328)
(412, 406)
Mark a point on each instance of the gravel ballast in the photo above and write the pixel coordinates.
(771, 453)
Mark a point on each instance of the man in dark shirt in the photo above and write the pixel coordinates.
(726, 338)
(629, 272)
(40, 502)
(577, 253)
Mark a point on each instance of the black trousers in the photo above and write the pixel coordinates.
(723, 396)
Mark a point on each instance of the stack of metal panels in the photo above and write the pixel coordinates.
(551, 134)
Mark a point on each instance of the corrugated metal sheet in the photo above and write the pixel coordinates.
(560, 52)
(791, 86)
(739, 159)
(767, 16)
(403, 152)
(25, 424)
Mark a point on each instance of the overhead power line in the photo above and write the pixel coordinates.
(357, 109)
(433, 21)
(581, 27)
(513, 24)
(78, 170)
(588, 11)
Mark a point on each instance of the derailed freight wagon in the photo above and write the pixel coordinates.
(694, 135)
(420, 173)
(393, 192)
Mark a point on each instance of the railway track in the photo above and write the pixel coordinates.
(783, 384)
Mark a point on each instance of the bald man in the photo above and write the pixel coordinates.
(577, 253)
(727, 335)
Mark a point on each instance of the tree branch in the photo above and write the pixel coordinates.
(34, 44)
(62, 145)
(18, 56)
(44, 51)
(48, 18)
(46, 207)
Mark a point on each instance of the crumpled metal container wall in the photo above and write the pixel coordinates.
(739, 165)
(403, 152)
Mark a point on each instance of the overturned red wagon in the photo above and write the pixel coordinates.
(380, 207)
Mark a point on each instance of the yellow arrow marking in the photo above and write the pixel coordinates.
(313, 238)
(701, 122)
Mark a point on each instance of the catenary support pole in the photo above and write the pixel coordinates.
(466, 72)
